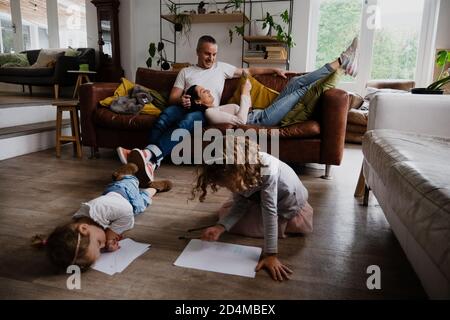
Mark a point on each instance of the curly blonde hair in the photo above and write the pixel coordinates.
(240, 162)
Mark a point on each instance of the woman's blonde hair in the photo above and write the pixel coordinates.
(238, 160)
(65, 246)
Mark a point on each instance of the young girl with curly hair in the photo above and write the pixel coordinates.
(267, 196)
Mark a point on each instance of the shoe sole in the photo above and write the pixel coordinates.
(137, 158)
(121, 157)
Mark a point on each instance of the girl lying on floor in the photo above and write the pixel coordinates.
(269, 199)
(99, 224)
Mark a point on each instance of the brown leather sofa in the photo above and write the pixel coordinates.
(320, 140)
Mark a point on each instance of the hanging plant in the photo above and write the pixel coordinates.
(162, 60)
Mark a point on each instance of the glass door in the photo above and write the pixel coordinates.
(6, 27)
(72, 23)
(34, 24)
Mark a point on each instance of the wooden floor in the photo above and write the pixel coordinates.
(39, 191)
(24, 99)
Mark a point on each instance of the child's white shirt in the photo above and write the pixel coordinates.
(111, 211)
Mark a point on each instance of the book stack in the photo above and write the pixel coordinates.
(275, 52)
(255, 54)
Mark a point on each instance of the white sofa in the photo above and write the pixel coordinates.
(407, 166)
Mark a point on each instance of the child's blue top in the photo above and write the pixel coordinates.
(128, 187)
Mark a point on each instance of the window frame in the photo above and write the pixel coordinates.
(52, 24)
(425, 57)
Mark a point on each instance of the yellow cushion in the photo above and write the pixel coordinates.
(122, 91)
(261, 96)
(150, 109)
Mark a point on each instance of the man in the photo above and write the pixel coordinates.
(179, 115)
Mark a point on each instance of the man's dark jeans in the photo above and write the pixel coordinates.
(172, 118)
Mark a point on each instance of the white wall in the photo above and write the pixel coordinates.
(145, 28)
(143, 24)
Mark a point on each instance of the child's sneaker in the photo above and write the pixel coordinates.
(123, 154)
(146, 168)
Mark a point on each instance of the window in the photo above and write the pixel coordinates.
(6, 27)
(72, 23)
(396, 39)
(389, 31)
(339, 23)
(34, 24)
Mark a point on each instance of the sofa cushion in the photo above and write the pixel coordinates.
(71, 52)
(106, 118)
(123, 90)
(261, 96)
(358, 117)
(414, 168)
(18, 59)
(47, 57)
(27, 72)
(356, 101)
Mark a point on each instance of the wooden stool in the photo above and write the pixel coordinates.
(72, 107)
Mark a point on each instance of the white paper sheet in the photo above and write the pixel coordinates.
(117, 261)
(220, 257)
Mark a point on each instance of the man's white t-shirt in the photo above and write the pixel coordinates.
(212, 79)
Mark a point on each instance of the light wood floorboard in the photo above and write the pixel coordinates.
(39, 191)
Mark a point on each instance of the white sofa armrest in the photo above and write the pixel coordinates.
(426, 114)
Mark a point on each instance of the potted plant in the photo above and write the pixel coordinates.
(443, 57)
(258, 27)
(236, 4)
(269, 21)
(282, 35)
(201, 8)
(162, 60)
(182, 21)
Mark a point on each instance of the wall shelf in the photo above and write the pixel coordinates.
(252, 60)
(210, 17)
(251, 45)
(262, 39)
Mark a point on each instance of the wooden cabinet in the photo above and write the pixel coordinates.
(110, 69)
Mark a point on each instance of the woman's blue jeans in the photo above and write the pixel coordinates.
(288, 98)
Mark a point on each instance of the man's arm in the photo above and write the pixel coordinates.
(177, 97)
(255, 71)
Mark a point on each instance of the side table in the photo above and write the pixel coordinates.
(83, 77)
